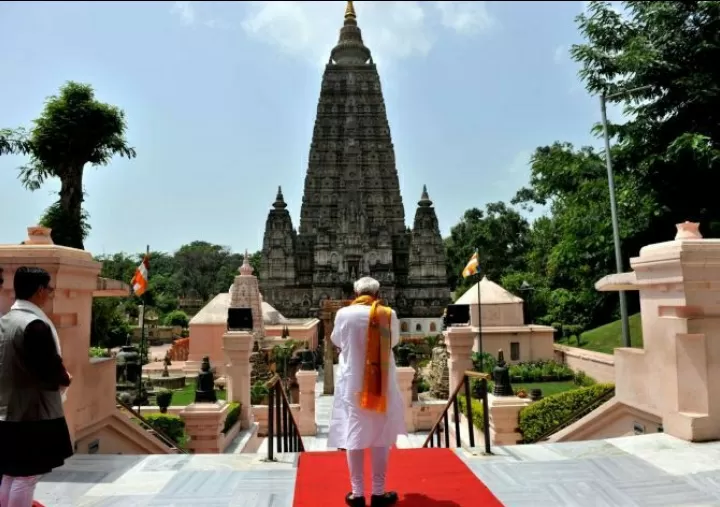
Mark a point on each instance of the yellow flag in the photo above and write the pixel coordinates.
(472, 267)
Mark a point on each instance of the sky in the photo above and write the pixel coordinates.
(220, 99)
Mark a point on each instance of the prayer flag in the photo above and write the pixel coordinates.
(140, 280)
(472, 267)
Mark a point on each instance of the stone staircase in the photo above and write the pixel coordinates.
(247, 441)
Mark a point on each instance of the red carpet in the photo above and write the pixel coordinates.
(422, 478)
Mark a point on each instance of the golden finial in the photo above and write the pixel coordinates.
(350, 10)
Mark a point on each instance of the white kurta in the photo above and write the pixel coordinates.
(352, 427)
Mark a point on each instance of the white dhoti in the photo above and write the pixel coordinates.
(351, 427)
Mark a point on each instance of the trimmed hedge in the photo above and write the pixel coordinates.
(542, 416)
(477, 410)
(232, 417)
(171, 425)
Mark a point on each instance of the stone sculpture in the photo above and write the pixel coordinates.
(205, 386)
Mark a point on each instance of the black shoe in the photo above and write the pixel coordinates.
(357, 501)
(389, 498)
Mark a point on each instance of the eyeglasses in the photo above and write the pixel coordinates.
(50, 289)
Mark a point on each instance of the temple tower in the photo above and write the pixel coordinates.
(352, 219)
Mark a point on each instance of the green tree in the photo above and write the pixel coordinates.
(73, 130)
(671, 143)
(60, 223)
(108, 326)
(177, 318)
(571, 250)
(500, 234)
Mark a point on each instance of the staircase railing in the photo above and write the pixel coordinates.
(440, 432)
(601, 398)
(283, 433)
(150, 428)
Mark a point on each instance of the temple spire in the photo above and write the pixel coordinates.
(279, 200)
(350, 49)
(424, 201)
(246, 269)
(350, 11)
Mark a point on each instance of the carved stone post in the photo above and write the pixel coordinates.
(405, 375)
(306, 382)
(237, 346)
(328, 317)
(459, 342)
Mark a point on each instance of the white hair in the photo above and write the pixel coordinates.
(367, 286)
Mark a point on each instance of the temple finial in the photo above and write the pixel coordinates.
(350, 11)
(425, 201)
(246, 269)
(279, 200)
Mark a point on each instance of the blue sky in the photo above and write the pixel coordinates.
(220, 99)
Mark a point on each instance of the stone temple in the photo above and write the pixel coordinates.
(352, 219)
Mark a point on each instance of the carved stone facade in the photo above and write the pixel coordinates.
(245, 293)
(352, 219)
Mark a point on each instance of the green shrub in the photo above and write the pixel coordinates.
(477, 410)
(164, 398)
(540, 371)
(258, 393)
(232, 417)
(583, 380)
(99, 352)
(423, 386)
(171, 425)
(542, 416)
(488, 362)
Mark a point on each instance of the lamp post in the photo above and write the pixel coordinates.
(526, 290)
(613, 207)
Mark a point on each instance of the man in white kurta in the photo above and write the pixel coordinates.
(353, 428)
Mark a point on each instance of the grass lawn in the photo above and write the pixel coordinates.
(185, 396)
(548, 388)
(608, 337)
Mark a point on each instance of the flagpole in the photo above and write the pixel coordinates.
(142, 329)
(480, 338)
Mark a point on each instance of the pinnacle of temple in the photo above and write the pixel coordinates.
(427, 243)
(279, 200)
(352, 218)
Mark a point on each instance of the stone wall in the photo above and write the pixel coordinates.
(597, 365)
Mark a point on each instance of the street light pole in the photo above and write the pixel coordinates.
(624, 318)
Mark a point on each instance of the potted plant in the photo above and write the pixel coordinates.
(521, 393)
(163, 399)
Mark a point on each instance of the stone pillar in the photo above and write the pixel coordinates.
(328, 317)
(405, 375)
(306, 382)
(459, 342)
(237, 346)
(204, 424)
(74, 275)
(504, 413)
(676, 375)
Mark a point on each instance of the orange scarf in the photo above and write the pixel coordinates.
(377, 356)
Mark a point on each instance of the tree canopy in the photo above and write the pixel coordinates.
(74, 129)
(658, 60)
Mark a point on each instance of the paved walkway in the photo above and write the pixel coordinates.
(637, 471)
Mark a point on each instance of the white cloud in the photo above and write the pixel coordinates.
(185, 11)
(560, 54)
(392, 30)
(465, 17)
